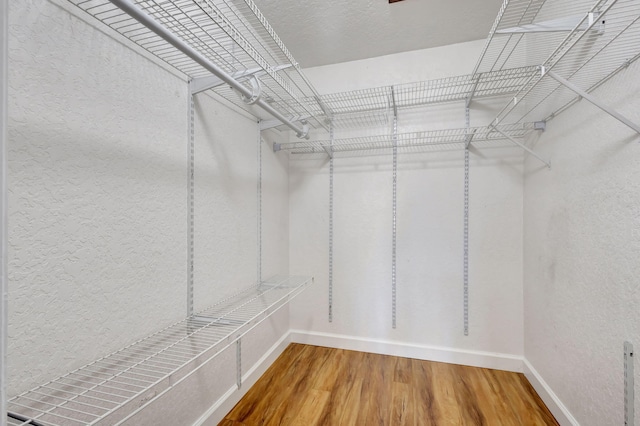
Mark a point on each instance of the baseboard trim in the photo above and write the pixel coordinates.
(226, 402)
(493, 360)
(482, 359)
(557, 408)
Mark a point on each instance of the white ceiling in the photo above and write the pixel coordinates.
(320, 32)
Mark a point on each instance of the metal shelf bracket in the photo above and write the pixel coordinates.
(595, 101)
(201, 84)
(523, 146)
(568, 23)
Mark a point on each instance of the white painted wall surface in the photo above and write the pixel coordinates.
(97, 189)
(582, 239)
(98, 200)
(429, 218)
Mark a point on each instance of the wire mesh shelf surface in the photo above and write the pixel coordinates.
(232, 34)
(586, 58)
(108, 390)
(585, 42)
(412, 141)
(374, 106)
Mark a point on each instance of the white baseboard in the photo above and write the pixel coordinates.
(557, 408)
(227, 401)
(493, 360)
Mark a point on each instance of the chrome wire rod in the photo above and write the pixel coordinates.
(161, 31)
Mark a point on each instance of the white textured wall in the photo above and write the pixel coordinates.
(98, 199)
(582, 239)
(97, 188)
(226, 203)
(430, 219)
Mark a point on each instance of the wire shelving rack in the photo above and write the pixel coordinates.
(591, 42)
(533, 46)
(110, 389)
(422, 141)
(374, 106)
(232, 34)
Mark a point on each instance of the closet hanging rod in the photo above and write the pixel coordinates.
(149, 22)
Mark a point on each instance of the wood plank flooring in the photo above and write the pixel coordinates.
(311, 385)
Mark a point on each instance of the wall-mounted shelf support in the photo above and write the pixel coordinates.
(146, 20)
(191, 170)
(202, 84)
(629, 395)
(331, 138)
(328, 150)
(465, 242)
(394, 208)
(612, 112)
(469, 137)
(540, 125)
(567, 24)
(523, 146)
(270, 124)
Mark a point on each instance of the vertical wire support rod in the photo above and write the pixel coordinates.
(465, 267)
(259, 206)
(191, 166)
(331, 138)
(394, 210)
(615, 114)
(239, 363)
(629, 395)
(149, 22)
(4, 32)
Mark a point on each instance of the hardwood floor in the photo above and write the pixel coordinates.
(311, 385)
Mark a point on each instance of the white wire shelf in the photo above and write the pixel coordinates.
(374, 106)
(232, 34)
(585, 42)
(108, 390)
(587, 59)
(433, 140)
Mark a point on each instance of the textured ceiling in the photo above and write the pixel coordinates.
(320, 32)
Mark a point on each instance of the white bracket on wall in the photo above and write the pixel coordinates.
(201, 84)
(568, 23)
(469, 137)
(629, 395)
(328, 150)
(327, 112)
(612, 112)
(270, 124)
(521, 145)
(540, 125)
